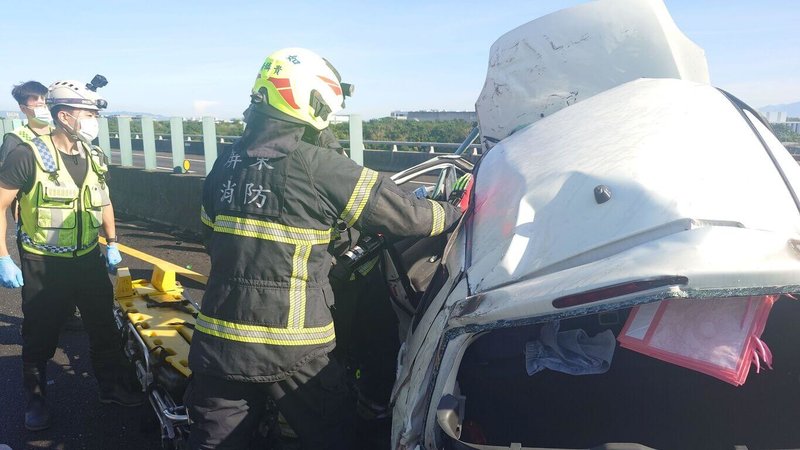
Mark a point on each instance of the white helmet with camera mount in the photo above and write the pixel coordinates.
(74, 94)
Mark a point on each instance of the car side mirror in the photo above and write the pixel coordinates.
(448, 415)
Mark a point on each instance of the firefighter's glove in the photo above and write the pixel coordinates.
(461, 191)
(112, 257)
(10, 275)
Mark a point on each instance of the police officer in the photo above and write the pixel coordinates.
(269, 206)
(64, 201)
(30, 98)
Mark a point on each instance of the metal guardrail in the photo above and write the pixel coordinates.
(211, 141)
(393, 145)
(377, 159)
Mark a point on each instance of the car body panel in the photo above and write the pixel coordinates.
(692, 158)
(609, 159)
(568, 56)
(700, 191)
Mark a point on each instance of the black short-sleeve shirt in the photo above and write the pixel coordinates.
(19, 169)
(10, 142)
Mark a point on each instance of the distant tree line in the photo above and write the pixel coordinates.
(386, 129)
(784, 133)
(190, 127)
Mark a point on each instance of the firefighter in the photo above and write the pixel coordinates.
(64, 201)
(270, 205)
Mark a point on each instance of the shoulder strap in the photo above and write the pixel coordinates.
(98, 160)
(45, 158)
(24, 133)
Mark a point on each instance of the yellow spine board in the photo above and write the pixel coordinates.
(163, 328)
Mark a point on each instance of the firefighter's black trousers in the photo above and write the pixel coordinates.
(315, 401)
(53, 287)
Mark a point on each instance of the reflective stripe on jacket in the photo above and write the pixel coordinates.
(57, 217)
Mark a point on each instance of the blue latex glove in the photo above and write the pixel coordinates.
(112, 257)
(10, 275)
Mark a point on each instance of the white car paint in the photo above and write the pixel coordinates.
(568, 56)
(694, 193)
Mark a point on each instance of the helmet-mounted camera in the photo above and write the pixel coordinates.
(347, 89)
(97, 82)
(75, 94)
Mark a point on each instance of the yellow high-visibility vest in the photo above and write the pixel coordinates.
(59, 218)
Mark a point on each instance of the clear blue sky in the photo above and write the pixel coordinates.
(201, 57)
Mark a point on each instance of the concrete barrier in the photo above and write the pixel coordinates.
(165, 198)
(175, 199)
(393, 162)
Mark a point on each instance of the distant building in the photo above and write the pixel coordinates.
(793, 126)
(344, 118)
(467, 116)
(399, 115)
(774, 116)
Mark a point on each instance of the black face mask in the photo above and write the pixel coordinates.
(255, 114)
(246, 114)
(254, 121)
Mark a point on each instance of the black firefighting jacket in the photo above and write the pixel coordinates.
(270, 204)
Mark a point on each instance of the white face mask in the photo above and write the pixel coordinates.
(41, 116)
(89, 128)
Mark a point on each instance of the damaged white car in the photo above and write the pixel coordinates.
(653, 210)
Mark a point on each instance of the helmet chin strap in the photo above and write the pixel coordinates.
(71, 132)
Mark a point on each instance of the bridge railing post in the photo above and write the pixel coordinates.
(9, 125)
(3, 130)
(104, 138)
(148, 143)
(125, 149)
(356, 139)
(209, 142)
(176, 136)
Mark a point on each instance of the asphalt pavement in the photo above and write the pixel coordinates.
(80, 421)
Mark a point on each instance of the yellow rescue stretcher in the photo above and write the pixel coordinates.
(157, 323)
